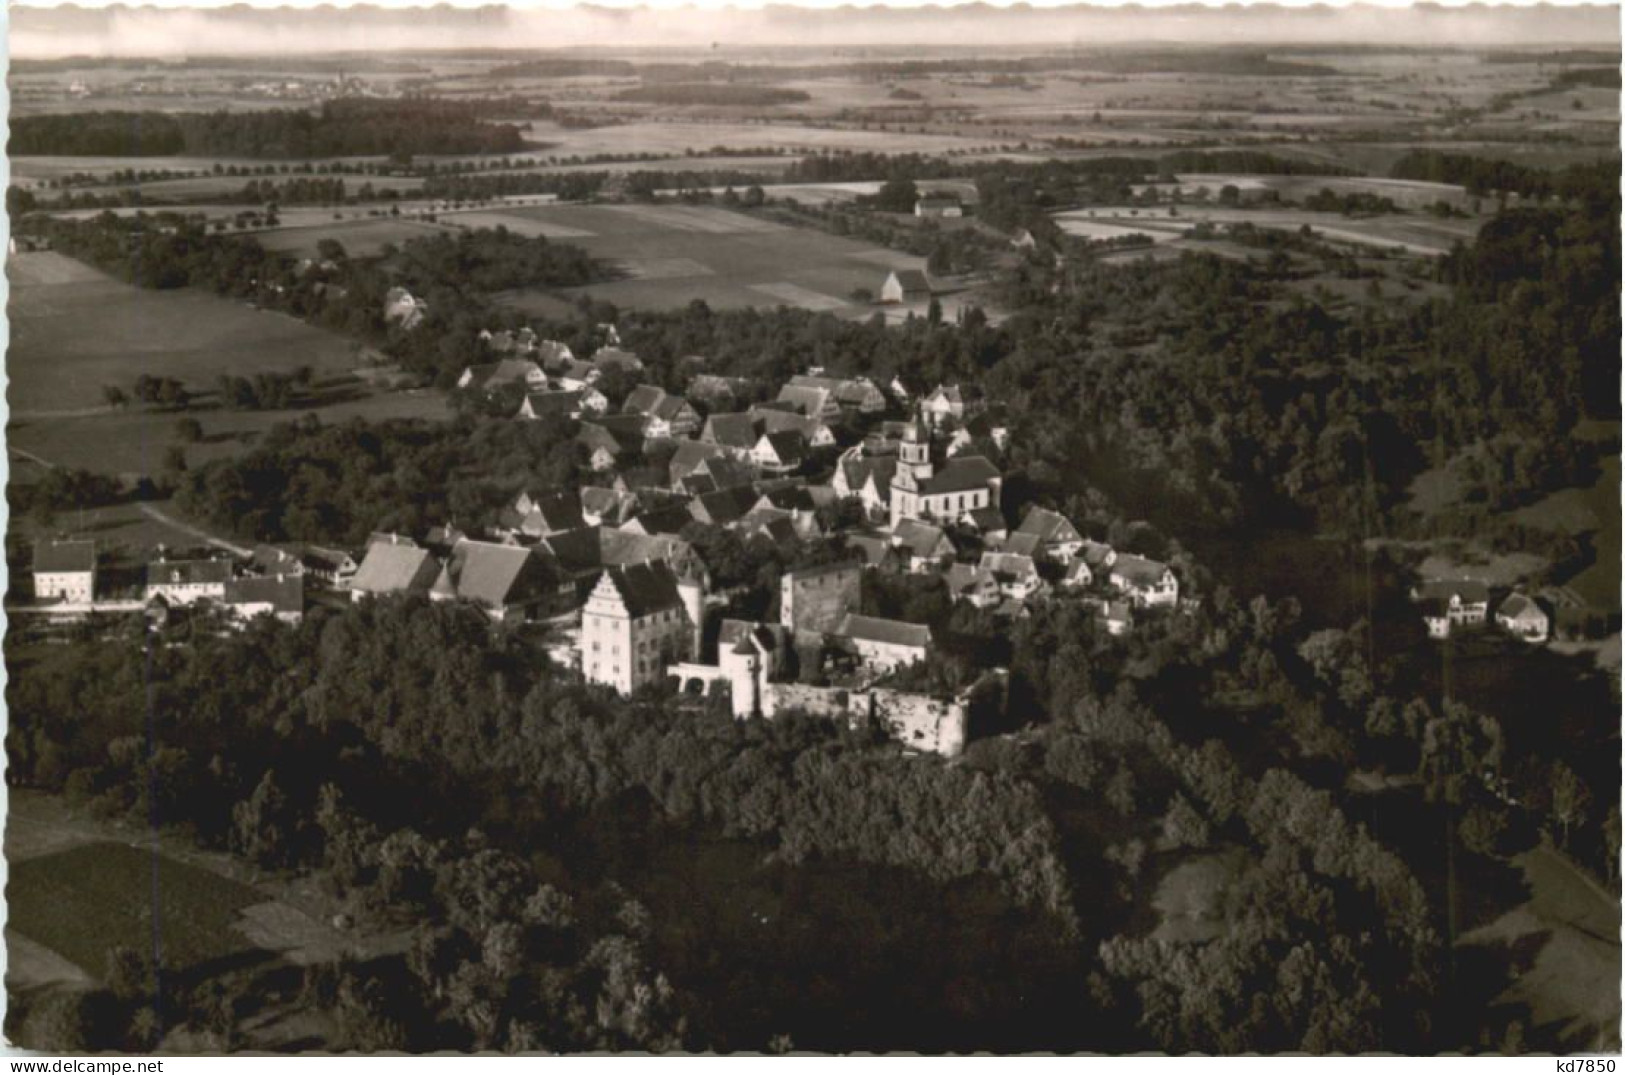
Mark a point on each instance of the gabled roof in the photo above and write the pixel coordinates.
(921, 539)
(645, 588)
(772, 526)
(564, 403)
(787, 446)
(607, 503)
(728, 472)
(188, 572)
(615, 358)
(690, 455)
(284, 593)
(912, 280)
(806, 400)
(970, 579)
(1471, 591)
(859, 469)
(576, 551)
(765, 637)
(872, 547)
(391, 568)
(731, 430)
(626, 547)
(949, 394)
(1520, 605)
(839, 567)
(553, 511)
(988, 520)
(494, 575)
(61, 557)
(961, 474)
(1024, 544)
(665, 520)
(724, 506)
(890, 632)
(489, 375)
(1010, 565)
(1138, 569)
(643, 399)
(1096, 553)
(773, 420)
(1048, 526)
(552, 353)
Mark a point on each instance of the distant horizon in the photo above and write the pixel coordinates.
(120, 31)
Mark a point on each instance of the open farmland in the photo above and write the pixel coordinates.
(674, 254)
(1414, 233)
(361, 238)
(74, 329)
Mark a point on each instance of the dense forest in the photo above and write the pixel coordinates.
(339, 128)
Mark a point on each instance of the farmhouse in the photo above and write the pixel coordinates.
(181, 582)
(1522, 617)
(402, 308)
(779, 453)
(815, 431)
(1450, 603)
(922, 546)
(394, 568)
(884, 645)
(945, 404)
(904, 286)
(810, 401)
(638, 619)
(850, 393)
(1016, 575)
(867, 477)
(1147, 583)
(736, 433)
(65, 570)
(562, 404)
(972, 583)
(504, 581)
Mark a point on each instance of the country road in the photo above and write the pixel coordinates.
(1572, 926)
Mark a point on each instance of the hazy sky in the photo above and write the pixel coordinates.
(117, 30)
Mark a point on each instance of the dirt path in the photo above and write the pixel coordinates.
(204, 536)
(1571, 925)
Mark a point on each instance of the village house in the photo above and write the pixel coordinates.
(1522, 617)
(278, 596)
(724, 507)
(1447, 604)
(574, 374)
(562, 403)
(923, 547)
(945, 404)
(815, 431)
(538, 514)
(183, 582)
(988, 424)
(857, 394)
(972, 583)
(668, 415)
(65, 571)
(553, 354)
(689, 458)
(1117, 617)
(1047, 534)
(987, 524)
(717, 393)
(779, 453)
(884, 645)
(905, 286)
(809, 401)
(391, 568)
(866, 477)
(734, 433)
(491, 377)
(638, 619)
(613, 358)
(607, 507)
(938, 205)
(1146, 583)
(1016, 574)
(506, 582)
(612, 439)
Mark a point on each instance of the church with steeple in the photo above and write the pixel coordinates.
(922, 490)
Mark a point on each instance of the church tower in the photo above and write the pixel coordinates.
(913, 469)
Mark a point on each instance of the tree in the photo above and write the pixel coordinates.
(188, 431)
(115, 396)
(1570, 798)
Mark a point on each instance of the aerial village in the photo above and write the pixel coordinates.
(628, 602)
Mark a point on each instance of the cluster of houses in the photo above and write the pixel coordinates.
(1449, 605)
(69, 580)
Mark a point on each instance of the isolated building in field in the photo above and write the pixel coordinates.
(65, 571)
(905, 286)
(639, 619)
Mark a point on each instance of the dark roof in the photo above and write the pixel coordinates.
(987, 519)
(891, 632)
(1518, 604)
(61, 557)
(919, 538)
(737, 633)
(646, 588)
(284, 593)
(840, 567)
(614, 357)
(562, 403)
(724, 506)
(576, 551)
(727, 472)
(961, 474)
(912, 280)
(1471, 591)
(690, 455)
(858, 470)
(187, 572)
(666, 520)
(1138, 569)
(872, 547)
(731, 430)
(1025, 544)
(806, 399)
(488, 375)
(789, 446)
